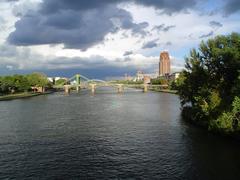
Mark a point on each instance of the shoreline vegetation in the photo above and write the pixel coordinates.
(22, 95)
(164, 90)
(209, 87)
(23, 86)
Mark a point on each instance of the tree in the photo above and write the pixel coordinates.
(37, 79)
(211, 80)
(7, 84)
(158, 81)
(21, 83)
(61, 82)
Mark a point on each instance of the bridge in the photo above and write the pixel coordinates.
(78, 82)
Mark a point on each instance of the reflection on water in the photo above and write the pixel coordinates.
(109, 135)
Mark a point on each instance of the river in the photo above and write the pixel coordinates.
(133, 135)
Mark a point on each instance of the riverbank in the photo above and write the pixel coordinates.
(21, 95)
(164, 90)
(187, 115)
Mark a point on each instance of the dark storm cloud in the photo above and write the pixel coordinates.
(75, 29)
(53, 6)
(150, 44)
(215, 24)
(232, 6)
(170, 6)
(207, 35)
(163, 27)
(82, 24)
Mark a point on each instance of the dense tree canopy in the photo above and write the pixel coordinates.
(210, 84)
(21, 83)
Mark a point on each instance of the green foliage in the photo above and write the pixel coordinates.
(223, 123)
(37, 79)
(228, 121)
(236, 106)
(6, 84)
(21, 83)
(159, 81)
(172, 84)
(61, 82)
(211, 81)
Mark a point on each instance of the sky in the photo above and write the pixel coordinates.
(107, 38)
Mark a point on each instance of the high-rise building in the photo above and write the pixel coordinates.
(164, 64)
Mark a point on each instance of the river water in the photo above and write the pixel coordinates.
(133, 135)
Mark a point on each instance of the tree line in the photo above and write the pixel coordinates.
(209, 87)
(22, 83)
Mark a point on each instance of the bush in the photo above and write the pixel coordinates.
(228, 121)
(223, 124)
(159, 81)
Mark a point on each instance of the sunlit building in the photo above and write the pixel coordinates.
(164, 64)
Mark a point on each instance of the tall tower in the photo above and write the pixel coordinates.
(164, 64)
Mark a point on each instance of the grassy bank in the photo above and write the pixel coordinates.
(20, 95)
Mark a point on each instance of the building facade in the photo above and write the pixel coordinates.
(164, 64)
(139, 75)
(146, 79)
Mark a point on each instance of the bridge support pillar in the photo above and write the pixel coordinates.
(145, 88)
(78, 88)
(93, 88)
(67, 89)
(120, 88)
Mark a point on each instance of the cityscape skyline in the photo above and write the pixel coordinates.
(60, 38)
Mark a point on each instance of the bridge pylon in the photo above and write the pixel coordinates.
(120, 88)
(78, 79)
(67, 89)
(78, 88)
(78, 82)
(93, 88)
(145, 88)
